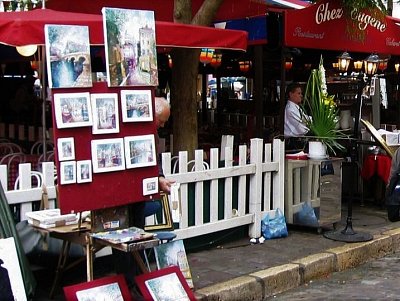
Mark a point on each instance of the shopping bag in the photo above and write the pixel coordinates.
(306, 216)
(274, 227)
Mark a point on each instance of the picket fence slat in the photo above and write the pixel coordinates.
(256, 183)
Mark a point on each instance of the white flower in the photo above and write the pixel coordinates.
(322, 75)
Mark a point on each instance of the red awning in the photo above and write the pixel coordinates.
(323, 26)
(24, 28)
(163, 9)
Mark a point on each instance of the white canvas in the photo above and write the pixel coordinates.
(8, 253)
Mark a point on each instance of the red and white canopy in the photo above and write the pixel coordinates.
(24, 28)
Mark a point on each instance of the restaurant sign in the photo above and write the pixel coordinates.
(323, 26)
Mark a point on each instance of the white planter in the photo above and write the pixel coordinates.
(316, 150)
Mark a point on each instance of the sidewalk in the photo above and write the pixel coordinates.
(241, 271)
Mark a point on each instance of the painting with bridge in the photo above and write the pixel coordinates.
(68, 53)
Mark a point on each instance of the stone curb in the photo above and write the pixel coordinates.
(275, 280)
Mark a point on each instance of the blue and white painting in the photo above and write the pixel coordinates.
(68, 56)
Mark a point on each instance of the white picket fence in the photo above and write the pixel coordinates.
(259, 174)
(261, 170)
(25, 193)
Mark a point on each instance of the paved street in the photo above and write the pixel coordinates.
(375, 280)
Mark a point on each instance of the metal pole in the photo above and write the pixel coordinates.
(42, 57)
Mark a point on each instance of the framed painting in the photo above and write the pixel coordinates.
(150, 186)
(107, 288)
(108, 155)
(162, 218)
(68, 50)
(12, 285)
(140, 151)
(72, 110)
(66, 149)
(84, 171)
(136, 105)
(130, 44)
(173, 253)
(105, 113)
(164, 284)
(67, 172)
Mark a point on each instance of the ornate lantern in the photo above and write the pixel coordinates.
(206, 55)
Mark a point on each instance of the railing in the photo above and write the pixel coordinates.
(259, 188)
(227, 195)
(29, 190)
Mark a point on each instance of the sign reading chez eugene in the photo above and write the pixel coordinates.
(323, 26)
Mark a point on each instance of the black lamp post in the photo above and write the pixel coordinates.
(348, 234)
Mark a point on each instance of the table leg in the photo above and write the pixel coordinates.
(89, 259)
(62, 259)
(140, 262)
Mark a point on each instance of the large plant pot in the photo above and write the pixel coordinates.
(317, 150)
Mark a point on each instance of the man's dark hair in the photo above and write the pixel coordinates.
(291, 88)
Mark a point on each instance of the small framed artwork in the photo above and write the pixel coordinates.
(67, 172)
(72, 110)
(66, 149)
(136, 105)
(84, 171)
(164, 284)
(108, 155)
(150, 186)
(107, 288)
(140, 151)
(105, 113)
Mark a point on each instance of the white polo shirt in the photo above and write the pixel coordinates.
(294, 127)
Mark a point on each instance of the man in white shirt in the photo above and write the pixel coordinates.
(294, 126)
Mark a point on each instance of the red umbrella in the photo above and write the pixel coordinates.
(27, 27)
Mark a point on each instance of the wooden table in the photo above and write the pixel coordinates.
(81, 235)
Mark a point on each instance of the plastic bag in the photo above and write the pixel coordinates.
(306, 216)
(274, 227)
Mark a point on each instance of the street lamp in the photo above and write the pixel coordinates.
(358, 65)
(371, 64)
(348, 234)
(344, 61)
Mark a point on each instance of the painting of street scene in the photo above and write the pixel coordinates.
(72, 110)
(108, 155)
(103, 292)
(140, 151)
(68, 53)
(136, 105)
(167, 288)
(173, 253)
(130, 43)
(105, 113)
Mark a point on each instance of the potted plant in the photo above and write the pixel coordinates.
(322, 118)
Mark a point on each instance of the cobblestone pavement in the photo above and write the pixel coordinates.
(375, 280)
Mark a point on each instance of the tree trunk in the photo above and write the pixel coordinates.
(184, 77)
(183, 99)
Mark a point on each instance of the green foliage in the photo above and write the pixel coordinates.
(323, 114)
